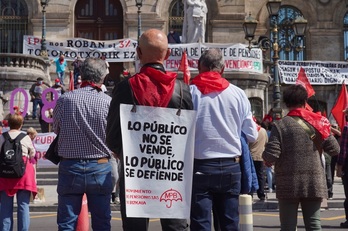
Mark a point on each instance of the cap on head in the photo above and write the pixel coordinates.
(57, 80)
(39, 79)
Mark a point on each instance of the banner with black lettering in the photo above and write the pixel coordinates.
(317, 72)
(237, 57)
(158, 150)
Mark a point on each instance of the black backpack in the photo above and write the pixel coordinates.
(11, 160)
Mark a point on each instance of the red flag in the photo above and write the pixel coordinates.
(71, 82)
(184, 67)
(340, 105)
(303, 80)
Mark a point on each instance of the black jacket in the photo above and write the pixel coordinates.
(122, 94)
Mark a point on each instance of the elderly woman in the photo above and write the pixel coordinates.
(299, 173)
(22, 187)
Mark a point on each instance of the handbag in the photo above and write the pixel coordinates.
(52, 152)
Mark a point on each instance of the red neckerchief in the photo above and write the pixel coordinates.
(152, 87)
(91, 84)
(258, 127)
(320, 123)
(208, 82)
(61, 61)
(267, 118)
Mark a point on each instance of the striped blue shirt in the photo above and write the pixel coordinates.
(80, 119)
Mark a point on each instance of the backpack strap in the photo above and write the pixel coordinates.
(6, 136)
(18, 138)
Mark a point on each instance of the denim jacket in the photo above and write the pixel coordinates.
(249, 183)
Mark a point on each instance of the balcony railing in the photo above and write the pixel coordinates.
(13, 60)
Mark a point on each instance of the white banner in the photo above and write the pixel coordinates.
(158, 150)
(318, 72)
(237, 56)
(41, 143)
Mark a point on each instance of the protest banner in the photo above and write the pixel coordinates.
(41, 143)
(237, 56)
(317, 72)
(158, 150)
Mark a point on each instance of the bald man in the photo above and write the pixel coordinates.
(152, 86)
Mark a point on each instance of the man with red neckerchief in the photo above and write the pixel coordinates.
(152, 86)
(223, 114)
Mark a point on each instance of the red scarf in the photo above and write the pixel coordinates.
(152, 87)
(91, 84)
(61, 61)
(208, 82)
(320, 123)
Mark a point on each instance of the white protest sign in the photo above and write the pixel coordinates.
(317, 72)
(41, 143)
(158, 148)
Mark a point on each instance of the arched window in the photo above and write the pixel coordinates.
(345, 35)
(176, 16)
(13, 25)
(256, 107)
(291, 47)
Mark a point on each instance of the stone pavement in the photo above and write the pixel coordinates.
(50, 203)
(335, 203)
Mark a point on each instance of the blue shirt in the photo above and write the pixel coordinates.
(60, 67)
(221, 119)
(80, 119)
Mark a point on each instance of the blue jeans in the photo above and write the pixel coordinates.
(310, 211)
(61, 76)
(269, 177)
(216, 183)
(76, 177)
(6, 211)
(36, 102)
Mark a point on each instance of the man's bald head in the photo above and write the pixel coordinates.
(153, 47)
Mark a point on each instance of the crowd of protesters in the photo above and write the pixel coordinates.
(90, 145)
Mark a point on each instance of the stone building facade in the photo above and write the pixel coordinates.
(116, 19)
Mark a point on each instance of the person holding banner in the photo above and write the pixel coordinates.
(152, 86)
(79, 118)
(223, 114)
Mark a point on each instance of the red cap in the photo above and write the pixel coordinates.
(57, 80)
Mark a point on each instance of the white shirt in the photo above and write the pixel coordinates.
(221, 118)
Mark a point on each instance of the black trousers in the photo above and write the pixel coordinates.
(259, 168)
